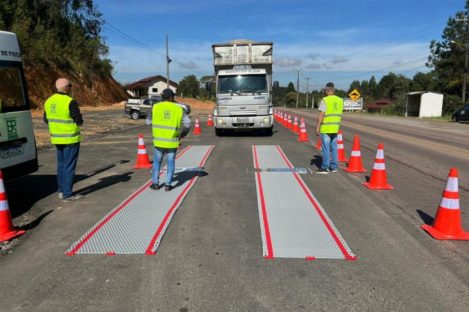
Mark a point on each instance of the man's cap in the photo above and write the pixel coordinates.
(167, 94)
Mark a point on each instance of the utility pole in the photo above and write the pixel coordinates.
(465, 64)
(466, 57)
(168, 60)
(307, 91)
(297, 86)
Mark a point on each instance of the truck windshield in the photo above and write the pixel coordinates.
(242, 84)
(12, 97)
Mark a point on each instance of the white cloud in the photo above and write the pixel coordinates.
(338, 60)
(358, 61)
(188, 65)
(288, 62)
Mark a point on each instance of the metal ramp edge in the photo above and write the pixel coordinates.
(298, 228)
(137, 225)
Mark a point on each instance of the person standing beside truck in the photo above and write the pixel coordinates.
(64, 119)
(168, 126)
(330, 116)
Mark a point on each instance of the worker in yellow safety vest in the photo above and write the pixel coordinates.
(64, 118)
(330, 115)
(169, 125)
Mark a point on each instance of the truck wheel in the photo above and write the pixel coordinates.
(135, 115)
(269, 131)
(219, 132)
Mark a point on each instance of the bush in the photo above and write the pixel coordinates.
(451, 103)
(397, 108)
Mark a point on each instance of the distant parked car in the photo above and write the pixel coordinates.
(461, 114)
(138, 108)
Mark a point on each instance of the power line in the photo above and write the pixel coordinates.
(142, 44)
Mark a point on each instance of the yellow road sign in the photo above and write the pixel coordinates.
(354, 95)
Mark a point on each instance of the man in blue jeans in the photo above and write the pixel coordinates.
(330, 115)
(64, 119)
(169, 124)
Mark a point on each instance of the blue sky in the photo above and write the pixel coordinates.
(338, 41)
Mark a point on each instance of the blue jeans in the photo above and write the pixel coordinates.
(67, 158)
(328, 148)
(158, 154)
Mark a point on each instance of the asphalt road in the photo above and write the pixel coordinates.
(210, 258)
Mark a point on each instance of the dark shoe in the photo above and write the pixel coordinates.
(335, 170)
(155, 187)
(322, 171)
(168, 188)
(72, 198)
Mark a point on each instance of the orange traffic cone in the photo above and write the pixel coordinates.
(197, 130)
(318, 144)
(355, 160)
(142, 161)
(303, 136)
(378, 179)
(285, 120)
(447, 223)
(7, 231)
(289, 125)
(210, 121)
(340, 148)
(295, 126)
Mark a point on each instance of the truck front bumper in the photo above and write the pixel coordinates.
(248, 122)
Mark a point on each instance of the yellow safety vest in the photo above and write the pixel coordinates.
(166, 124)
(332, 115)
(62, 128)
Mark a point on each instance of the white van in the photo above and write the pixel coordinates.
(18, 155)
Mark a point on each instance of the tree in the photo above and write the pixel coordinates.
(290, 87)
(447, 56)
(373, 87)
(354, 85)
(290, 99)
(64, 34)
(424, 82)
(189, 86)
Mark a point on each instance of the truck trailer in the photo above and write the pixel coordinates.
(243, 76)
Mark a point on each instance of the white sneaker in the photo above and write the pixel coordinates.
(72, 198)
(61, 195)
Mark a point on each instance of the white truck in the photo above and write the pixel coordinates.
(243, 74)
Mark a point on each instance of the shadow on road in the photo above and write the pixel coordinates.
(184, 176)
(105, 182)
(33, 224)
(24, 192)
(427, 219)
(316, 161)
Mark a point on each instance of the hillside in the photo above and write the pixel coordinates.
(95, 92)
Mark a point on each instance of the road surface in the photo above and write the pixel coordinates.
(210, 258)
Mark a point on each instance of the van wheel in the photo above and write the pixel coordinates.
(135, 115)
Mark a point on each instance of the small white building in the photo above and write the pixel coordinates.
(149, 86)
(424, 104)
